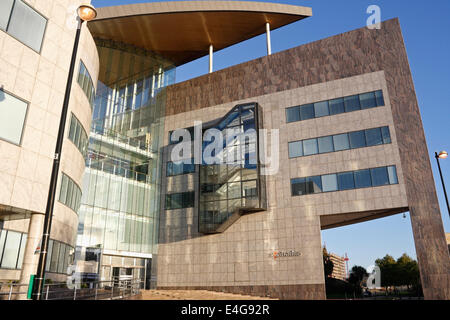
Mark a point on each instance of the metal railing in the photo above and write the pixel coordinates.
(102, 290)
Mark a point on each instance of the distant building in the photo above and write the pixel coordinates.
(339, 271)
(447, 236)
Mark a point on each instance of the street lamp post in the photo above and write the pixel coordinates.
(85, 13)
(442, 155)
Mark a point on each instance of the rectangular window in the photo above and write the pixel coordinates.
(12, 117)
(357, 139)
(329, 183)
(180, 200)
(374, 137)
(292, 114)
(5, 13)
(49, 255)
(2, 242)
(298, 186)
(307, 111)
(86, 83)
(78, 135)
(55, 255)
(363, 179)
(295, 149)
(352, 103)
(379, 97)
(380, 176)
(175, 169)
(11, 250)
(392, 172)
(386, 135)
(310, 147)
(313, 184)
(23, 243)
(321, 109)
(27, 25)
(69, 193)
(325, 144)
(341, 142)
(368, 100)
(346, 181)
(337, 106)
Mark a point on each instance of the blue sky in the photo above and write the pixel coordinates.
(426, 30)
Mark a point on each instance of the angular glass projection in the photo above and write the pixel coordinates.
(235, 186)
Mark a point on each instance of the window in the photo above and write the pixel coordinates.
(341, 142)
(174, 169)
(345, 181)
(78, 135)
(310, 147)
(292, 114)
(180, 200)
(374, 137)
(22, 22)
(321, 109)
(12, 117)
(307, 112)
(379, 177)
(386, 135)
(325, 144)
(335, 106)
(295, 149)
(357, 139)
(70, 193)
(85, 82)
(12, 248)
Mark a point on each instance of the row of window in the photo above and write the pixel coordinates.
(13, 112)
(78, 135)
(59, 257)
(180, 200)
(339, 142)
(70, 193)
(12, 249)
(22, 22)
(345, 181)
(176, 169)
(336, 106)
(86, 83)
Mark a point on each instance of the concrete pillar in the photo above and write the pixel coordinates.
(211, 52)
(269, 43)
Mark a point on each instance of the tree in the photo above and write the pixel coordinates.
(388, 269)
(357, 275)
(327, 263)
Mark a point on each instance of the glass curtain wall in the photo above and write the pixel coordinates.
(121, 185)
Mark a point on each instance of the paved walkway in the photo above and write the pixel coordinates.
(194, 295)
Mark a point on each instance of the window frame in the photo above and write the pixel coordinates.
(24, 119)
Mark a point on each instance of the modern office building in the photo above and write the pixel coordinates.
(339, 268)
(316, 137)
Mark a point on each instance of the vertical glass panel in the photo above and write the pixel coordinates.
(298, 186)
(11, 250)
(379, 177)
(2, 242)
(5, 12)
(63, 190)
(49, 255)
(386, 135)
(12, 117)
(341, 142)
(295, 149)
(337, 106)
(329, 183)
(325, 144)
(55, 255)
(357, 139)
(62, 252)
(379, 97)
(352, 103)
(373, 137)
(346, 181)
(321, 109)
(23, 243)
(292, 114)
(310, 147)
(27, 25)
(392, 172)
(249, 189)
(313, 185)
(368, 100)
(307, 111)
(234, 190)
(363, 179)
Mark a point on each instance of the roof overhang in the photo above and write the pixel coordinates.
(183, 31)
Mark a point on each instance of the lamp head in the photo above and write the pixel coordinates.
(87, 12)
(443, 155)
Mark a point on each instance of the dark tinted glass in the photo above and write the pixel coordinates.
(293, 114)
(386, 135)
(325, 144)
(346, 181)
(379, 97)
(298, 186)
(352, 103)
(337, 106)
(357, 139)
(314, 185)
(379, 177)
(321, 109)
(363, 179)
(374, 137)
(368, 100)
(307, 111)
(310, 147)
